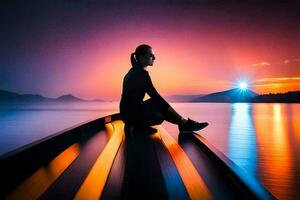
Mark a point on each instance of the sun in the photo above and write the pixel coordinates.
(243, 85)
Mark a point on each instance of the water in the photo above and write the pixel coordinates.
(21, 124)
(264, 139)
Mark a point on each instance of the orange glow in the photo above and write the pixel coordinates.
(296, 123)
(276, 85)
(94, 183)
(273, 132)
(182, 66)
(40, 181)
(193, 182)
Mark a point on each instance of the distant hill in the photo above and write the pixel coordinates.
(7, 96)
(97, 100)
(69, 97)
(182, 98)
(233, 95)
(289, 97)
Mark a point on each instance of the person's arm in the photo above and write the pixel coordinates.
(152, 92)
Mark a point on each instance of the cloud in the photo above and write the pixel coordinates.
(286, 61)
(293, 60)
(280, 79)
(268, 85)
(275, 82)
(296, 60)
(261, 64)
(290, 61)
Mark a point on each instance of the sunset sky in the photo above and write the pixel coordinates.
(83, 47)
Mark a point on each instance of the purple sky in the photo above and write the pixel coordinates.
(83, 47)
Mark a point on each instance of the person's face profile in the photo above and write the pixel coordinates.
(149, 57)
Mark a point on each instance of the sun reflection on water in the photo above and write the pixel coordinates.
(242, 140)
(274, 150)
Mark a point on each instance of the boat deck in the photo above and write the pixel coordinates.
(96, 161)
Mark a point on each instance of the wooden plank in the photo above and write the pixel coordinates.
(192, 180)
(216, 179)
(66, 186)
(94, 183)
(143, 178)
(40, 181)
(174, 184)
(113, 186)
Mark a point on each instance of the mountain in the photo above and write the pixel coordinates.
(97, 100)
(289, 97)
(7, 96)
(182, 98)
(233, 95)
(69, 98)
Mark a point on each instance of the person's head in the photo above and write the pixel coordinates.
(143, 56)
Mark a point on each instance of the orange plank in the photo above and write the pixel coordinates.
(40, 181)
(94, 183)
(193, 182)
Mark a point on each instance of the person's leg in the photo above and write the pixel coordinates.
(152, 115)
(184, 125)
(173, 117)
(148, 116)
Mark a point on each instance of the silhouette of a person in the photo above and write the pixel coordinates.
(140, 115)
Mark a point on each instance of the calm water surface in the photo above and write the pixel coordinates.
(21, 124)
(264, 139)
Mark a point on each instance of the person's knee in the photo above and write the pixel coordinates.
(157, 120)
(148, 104)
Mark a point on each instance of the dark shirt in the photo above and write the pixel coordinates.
(136, 84)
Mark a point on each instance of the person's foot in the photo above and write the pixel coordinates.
(192, 125)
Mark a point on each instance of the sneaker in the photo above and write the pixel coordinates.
(192, 125)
